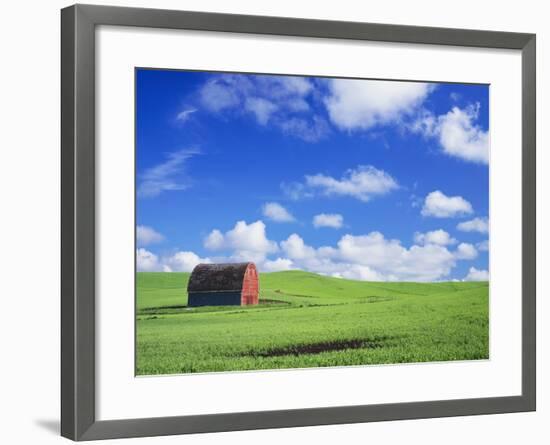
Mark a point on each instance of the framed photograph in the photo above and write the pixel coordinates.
(273, 222)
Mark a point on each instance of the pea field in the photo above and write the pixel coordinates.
(308, 320)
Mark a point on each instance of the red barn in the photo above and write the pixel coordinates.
(223, 284)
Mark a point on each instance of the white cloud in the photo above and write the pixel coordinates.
(480, 225)
(477, 275)
(371, 257)
(298, 105)
(247, 241)
(292, 85)
(183, 261)
(439, 205)
(290, 102)
(147, 261)
(296, 190)
(310, 130)
(168, 175)
(215, 240)
(217, 95)
(394, 261)
(358, 272)
(261, 108)
(296, 249)
(146, 235)
(333, 220)
(455, 96)
(460, 137)
(361, 183)
(457, 133)
(426, 123)
(362, 104)
(184, 115)
(465, 251)
(277, 265)
(250, 237)
(440, 237)
(483, 246)
(278, 100)
(361, 257)
(276, 212)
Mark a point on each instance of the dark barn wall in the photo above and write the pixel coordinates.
(196, 299)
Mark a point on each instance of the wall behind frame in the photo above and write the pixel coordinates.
(29, 227)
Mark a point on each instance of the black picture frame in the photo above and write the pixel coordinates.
(78, 23)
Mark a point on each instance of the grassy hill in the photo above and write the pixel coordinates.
(306, 320)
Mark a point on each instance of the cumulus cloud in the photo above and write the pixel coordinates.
(480, 225)
(146, 235)
(167, 175)
(247, 241)
(362, 183)
(394, 261)
(296, 249)
(439, 205)
(371, 257)
(440, 237)
(146, 261)
(215, 240)
(483, 246)
(276, 212)
(333, 220)
(477, 275)
(220, 93)
(297, 105)
(360, 257)
(290, 85)
(362, 104)
(465, 251)
(457, 133)
(261, 108)
(357, 272)
(277, 265)
(281, 101)
(460, 137)
(183, 261)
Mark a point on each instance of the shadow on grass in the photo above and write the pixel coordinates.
(317, 348)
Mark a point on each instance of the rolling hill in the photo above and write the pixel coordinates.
(309, 320)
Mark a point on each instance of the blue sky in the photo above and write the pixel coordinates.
(359, 179)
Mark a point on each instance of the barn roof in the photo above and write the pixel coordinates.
(217, 277)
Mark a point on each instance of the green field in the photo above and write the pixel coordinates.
(308, 320)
